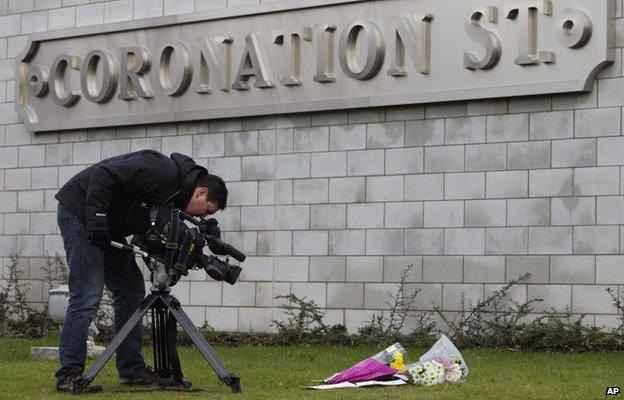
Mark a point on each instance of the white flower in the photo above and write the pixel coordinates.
(455, 374)
(427, 374)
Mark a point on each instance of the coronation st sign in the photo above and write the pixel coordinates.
(310, 55)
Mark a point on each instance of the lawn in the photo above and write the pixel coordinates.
(277, 373)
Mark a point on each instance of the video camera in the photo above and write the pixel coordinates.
(171, 248)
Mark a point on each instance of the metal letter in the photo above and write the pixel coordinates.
(291, 56)
(88, 76)
(58, 91)
(574, 29)
(414, 34)
(252, 64)
(212, 62)
(325, 53)
(487, 38)
(38, 81)
(375, 50)
(174, 81)
(526, 14)
(135, 61)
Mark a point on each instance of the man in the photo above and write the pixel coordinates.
(92, 211)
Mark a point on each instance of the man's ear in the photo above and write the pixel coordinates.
(201, 191)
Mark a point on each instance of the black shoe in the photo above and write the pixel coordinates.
(145, 376)
(69, 385)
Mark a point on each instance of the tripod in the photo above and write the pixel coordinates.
(166, 313)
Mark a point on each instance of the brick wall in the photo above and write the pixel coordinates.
(335, 205)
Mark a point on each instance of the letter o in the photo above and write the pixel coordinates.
(175, 83)
(574, 29)
(375, 50)
(88, 76)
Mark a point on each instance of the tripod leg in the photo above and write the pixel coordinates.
(232, 380)
(87, 378)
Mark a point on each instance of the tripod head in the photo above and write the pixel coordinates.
(171, 248)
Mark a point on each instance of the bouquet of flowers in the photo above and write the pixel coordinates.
(443, 362)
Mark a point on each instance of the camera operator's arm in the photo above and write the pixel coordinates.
(135, 175)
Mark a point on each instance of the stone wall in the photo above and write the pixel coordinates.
(334, 206)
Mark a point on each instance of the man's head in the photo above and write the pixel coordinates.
(210, 195)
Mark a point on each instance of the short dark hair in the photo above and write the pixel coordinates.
(217, 192)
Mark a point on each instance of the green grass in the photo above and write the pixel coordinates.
(277, 373)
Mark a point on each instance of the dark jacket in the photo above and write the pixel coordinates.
(103, 193)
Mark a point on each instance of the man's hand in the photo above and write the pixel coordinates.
(100, 238)
(211, 228)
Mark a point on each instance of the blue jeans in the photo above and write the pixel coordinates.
(89, 270)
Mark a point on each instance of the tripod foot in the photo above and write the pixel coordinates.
(233, 381)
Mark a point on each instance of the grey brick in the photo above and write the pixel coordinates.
(365, 216)
(395, 266)
(10, 25)
(240, 295)
(311, 139)
(148, 8)
(34, 22)
(482, 213)
(294, 269)
(267, 143)
(506, 184)
(364, 269)
(508, 128)
(228, 168)
(544, 240)
(118, 10)
(445, 110)
(464, 186)
(87, 152)
(384, 241)
(528, 212)
(404, 161)
(530, 104)
(327, 269)
(8, 245)
(292, 217)
(596, 181)
(311, 291)
(574, 153)
(62, 18)
(329, 164)
(529, 155)
(369, 162)
(404, 215)
(261, 217)
(67, 172)
(258, 167)
(552, 125)
(444, 159)
(378, 295)
(597, 122)
(384, 135)
(177, 144)
(330, 118)
(17, 179)
(610, 210)
(611, 92)
(345, 295)
(143, 144)
(347, 242)
(429, 295)
(569, 101)
(461, 297)
(243, 193)
(465, 130)
(428, 132)
(464, 241)
(486, 157)
(424, 241)
(400, 113)
(110, 148)
(442, 269)
(209, 145)
(203, 5)
(31, 156)
(291, 120)
(546, 183)
(275, 243)
(310, 243)
(17, 134)
(573, 211)
(173, 7)
(439, 214)
(205, 293)
(44, 223)
(241, 143)
(486, 106)
(347, 137)
(91, 14)
(347, 190)
(506, 240)
(610, 151)
(31, 200)
(536, 266)
(308, 191)
(367, 115)
(292, 166)
(596, 240)
(17, 224)
(384, 188)
(610, 269)
(572, 269)
(514, 295)
(8, 157)
(424, 187)
(481, 269)
(555, 297)
(589, 299)
(31, 245)
(330, 216)
(44, 178)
